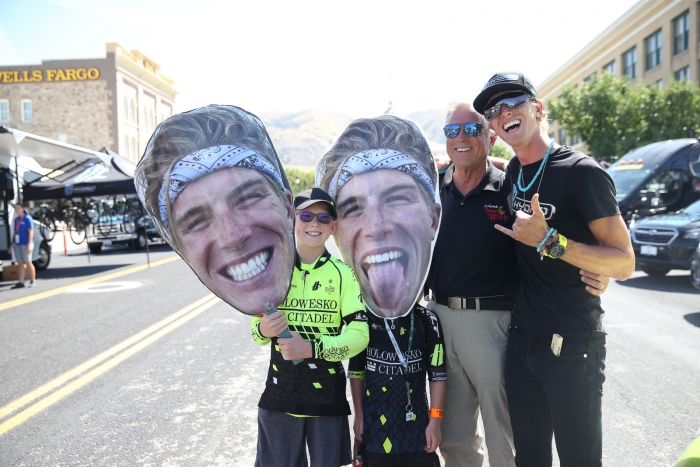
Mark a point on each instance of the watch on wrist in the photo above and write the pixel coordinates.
(557, 249)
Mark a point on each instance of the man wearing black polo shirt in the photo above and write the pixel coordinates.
(567, 218)
(474, 275)
(469, 261)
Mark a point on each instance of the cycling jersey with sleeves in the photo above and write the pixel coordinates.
(388, 437)
(322, 298)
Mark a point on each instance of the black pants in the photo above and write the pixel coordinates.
(560, 395)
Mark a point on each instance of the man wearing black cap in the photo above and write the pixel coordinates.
(566, 220)
(473, 277)
(304, 405)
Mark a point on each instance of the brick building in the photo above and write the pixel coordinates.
(113, 102)
(654, 42)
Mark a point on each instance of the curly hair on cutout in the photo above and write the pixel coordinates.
(188, 132)
(383, 132)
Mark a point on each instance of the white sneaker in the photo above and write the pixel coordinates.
(32, 284)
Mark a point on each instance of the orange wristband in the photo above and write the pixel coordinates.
(435, 413)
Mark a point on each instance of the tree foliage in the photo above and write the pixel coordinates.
(613, 117)
(499, 150)
(300, 178)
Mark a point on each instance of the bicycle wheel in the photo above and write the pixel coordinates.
(48, 229)
(77, 231)
(47, 225)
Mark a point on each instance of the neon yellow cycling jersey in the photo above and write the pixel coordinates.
(323, 297)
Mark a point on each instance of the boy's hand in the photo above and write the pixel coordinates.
(358, 426)
(295, 347)
(273, 325)
(433, 435)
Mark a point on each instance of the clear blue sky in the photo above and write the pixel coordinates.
(348, 56)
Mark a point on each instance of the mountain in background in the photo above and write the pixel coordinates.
(432, 121)
(302, 138)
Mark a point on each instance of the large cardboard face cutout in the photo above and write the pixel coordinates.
(215, 188)
(383, 178)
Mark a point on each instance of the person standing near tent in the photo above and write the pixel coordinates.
(22, 245)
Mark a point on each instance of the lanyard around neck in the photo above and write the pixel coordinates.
(402, 358)
(18, 222)
(404, 362)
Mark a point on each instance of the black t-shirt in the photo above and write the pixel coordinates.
(388, 437)
(471, 258)
(574, 191)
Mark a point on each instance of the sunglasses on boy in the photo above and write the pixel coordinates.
(470, 129)
(512, 102)
(323, 218)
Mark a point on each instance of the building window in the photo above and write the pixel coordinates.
(574, 140)
(132, 116)
(132, 147)
(683, 74)
(652, 45)
(590, 77)
(629, 63)
(126, 109)
(26, 110)
(681, 33)
(610, 68)
(4, 110)
(660, 84)
(562, 136)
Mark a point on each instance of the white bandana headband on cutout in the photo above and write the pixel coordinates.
(206, 161)
(375, 159)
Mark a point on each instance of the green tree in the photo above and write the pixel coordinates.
(499, 150)
(300, 179)
(612, 117)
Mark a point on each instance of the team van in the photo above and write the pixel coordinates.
(657, 178)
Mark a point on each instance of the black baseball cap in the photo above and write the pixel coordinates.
(312, 196)
(502, 82)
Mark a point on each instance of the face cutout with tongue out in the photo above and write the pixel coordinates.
(385, 232)
(236, 235)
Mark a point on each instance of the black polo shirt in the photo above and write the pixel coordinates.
(471, 258)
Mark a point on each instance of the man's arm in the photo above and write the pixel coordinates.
(614, 258)
(30, 241)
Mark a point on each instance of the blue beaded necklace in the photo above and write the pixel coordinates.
(539, 171)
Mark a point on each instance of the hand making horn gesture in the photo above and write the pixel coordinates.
(528, 229)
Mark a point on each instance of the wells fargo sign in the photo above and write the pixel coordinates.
(36, 76)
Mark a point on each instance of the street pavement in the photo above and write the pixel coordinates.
(111, 363)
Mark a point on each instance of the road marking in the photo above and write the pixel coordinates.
(113, 286)
(96, 280)
(111, 358)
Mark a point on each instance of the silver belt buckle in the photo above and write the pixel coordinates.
(460, 303)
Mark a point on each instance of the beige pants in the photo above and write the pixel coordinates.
(475, 347)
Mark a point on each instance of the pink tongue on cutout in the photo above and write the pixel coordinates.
(386, 283)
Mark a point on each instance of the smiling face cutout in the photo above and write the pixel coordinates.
(213, 184)
(382, 176)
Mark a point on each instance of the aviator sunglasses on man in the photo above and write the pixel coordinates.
(470, 129)
(512, 102)
(323, 218)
